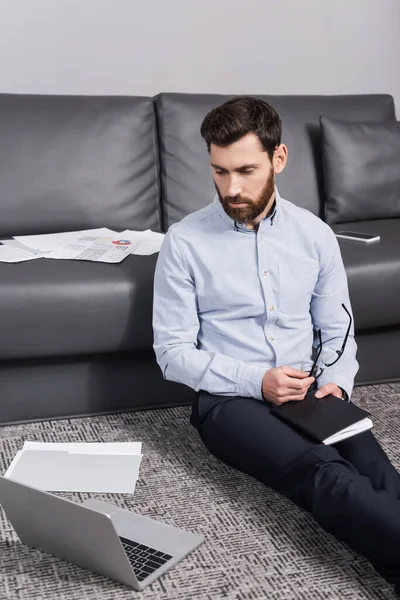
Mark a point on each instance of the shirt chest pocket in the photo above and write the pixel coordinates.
(296, 286)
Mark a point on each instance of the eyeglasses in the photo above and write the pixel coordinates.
(314, 368)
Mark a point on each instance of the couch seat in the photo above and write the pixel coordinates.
(61, 307)
(373, 272)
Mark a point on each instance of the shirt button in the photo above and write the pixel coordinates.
(265, 273)
(261, 236)
(272, 338)
(271, 308)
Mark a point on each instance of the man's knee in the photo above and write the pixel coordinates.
(320, 480)
(331, 489)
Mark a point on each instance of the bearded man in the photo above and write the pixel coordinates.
(241, 286)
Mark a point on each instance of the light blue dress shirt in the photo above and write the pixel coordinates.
(230, 302)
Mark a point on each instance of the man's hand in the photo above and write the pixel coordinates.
(282, 384)
(329, 388)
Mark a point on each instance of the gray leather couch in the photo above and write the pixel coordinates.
(76, 337)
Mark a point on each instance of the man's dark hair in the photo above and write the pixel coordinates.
(239, 116)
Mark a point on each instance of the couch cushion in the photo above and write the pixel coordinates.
(373, 272)
(61, 307)
(77, 162)
(361, 170)
(186, 175)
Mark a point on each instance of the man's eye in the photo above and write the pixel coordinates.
(220, 172)
(247, 171)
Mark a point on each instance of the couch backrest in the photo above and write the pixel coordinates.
(185, 172)
(75, 162)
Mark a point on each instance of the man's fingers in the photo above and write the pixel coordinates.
(292, 397)
(294, 372)
(297, 384)
(328, 388)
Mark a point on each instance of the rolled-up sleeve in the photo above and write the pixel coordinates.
(176, 326)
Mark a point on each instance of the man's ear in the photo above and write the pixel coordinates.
(280, 157)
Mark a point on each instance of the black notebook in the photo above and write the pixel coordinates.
(327, 420)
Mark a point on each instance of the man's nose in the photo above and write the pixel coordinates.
(234, 187)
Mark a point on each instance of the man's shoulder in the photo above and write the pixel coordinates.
(305, 219)
(198, 221)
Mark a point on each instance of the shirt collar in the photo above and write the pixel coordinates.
(270, 219)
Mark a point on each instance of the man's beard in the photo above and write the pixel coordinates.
(254, 208)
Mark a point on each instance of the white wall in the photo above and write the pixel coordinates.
(227, 46)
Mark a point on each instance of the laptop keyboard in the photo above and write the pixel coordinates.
(144, 559)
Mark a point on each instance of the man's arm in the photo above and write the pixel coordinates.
(328, 315)
(176, 325)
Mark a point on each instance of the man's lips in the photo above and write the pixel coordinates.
(238, 205)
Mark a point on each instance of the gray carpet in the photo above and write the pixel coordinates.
(258, 545)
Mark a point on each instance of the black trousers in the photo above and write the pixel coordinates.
(351, 488)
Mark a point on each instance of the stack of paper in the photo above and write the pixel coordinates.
(78, 467)
(96, 245)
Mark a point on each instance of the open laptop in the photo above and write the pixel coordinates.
(96, 535)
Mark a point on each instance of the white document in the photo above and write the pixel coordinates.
(12, 254)
(78, 467)
(95, 249)
(98, 245)
(50, 241)
(144, 243)
(88, 447)
(16, 244)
